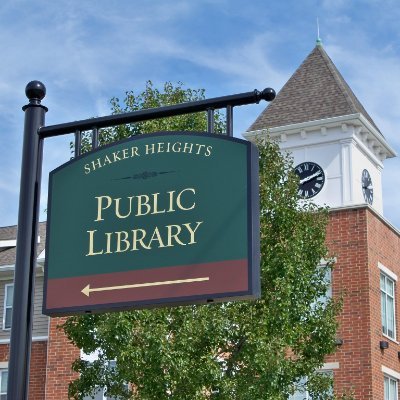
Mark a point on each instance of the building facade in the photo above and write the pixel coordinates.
(338, 153)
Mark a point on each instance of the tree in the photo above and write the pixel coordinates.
(237, 350)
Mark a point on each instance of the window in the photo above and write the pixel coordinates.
(8, 300)
(387, 306)
(100, 394)
(390, 388)
(302, 393)
(3, 384)
(328, 280)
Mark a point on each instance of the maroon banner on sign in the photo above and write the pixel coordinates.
(141, 286)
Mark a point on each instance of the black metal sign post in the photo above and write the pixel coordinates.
(34, 134)
(24, 278)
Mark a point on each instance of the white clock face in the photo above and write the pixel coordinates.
(367, 188)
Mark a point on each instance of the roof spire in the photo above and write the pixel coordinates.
(319, 41)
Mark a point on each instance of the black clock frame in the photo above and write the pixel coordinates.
(367, 187)
(312, 179)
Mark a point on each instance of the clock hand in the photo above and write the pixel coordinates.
(308, 178)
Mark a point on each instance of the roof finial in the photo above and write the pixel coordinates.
(319, 41)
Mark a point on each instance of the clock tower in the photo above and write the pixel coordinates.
(338, 150)
(338, 154)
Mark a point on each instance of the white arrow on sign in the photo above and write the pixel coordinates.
(87, 289)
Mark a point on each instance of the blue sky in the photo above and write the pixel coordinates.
(87, 52)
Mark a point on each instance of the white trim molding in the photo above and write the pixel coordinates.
(329, 366)
(391, 372)
(387, 271)
(4, 365)
(34, 339)
(8, 243)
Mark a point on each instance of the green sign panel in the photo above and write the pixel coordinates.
(160, 219)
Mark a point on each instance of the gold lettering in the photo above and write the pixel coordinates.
(96, 163)
(155, 205)
(136, 239)
(91, 244)
(100, 207)
(87, 169)
(135, 151)
(117, 210)
(148, 147)
(116, 155)
(160, 147)
(192, 231)
(119, 240)
(125, 154)
(200, 146)
(156, 236)
(208, 151)
(179, 147)
(188, 146)
(107, 160)
(178, 200)
(172, 235)
(108, 250)
(171, 201)
(140, 205)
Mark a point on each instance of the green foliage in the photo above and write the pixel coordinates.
(237, 350)
(151, 97)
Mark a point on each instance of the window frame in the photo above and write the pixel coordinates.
(5, 307)
(386, 294)
(387, 396)
(327, 369)
(2, 371)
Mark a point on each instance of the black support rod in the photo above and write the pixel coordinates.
(210, 120)
(24, 279)
(78, 143)
(229, 121)
(95, 138)
(153, 113)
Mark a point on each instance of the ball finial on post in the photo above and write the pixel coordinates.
(35, 92)
(268, 94)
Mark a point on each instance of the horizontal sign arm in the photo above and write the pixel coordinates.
(154, 113)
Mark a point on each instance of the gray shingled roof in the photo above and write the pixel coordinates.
(315, 91)
(7, 255)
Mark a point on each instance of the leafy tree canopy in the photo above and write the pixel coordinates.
(238, 350)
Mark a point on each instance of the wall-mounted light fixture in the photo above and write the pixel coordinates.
(383, 344)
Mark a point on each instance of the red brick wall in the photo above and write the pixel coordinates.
(60, 355)
(359, 239)
(347, 241)
(384, 247)
(37, 377)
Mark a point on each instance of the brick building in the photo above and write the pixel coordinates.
(338, 152)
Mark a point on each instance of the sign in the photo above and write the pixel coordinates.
(159, 219)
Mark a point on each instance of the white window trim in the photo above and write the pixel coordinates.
(4, 306)
(387, 271)
(394, 338)
(391, 373)
(3, 370)
(329, 366)
(34, 339)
